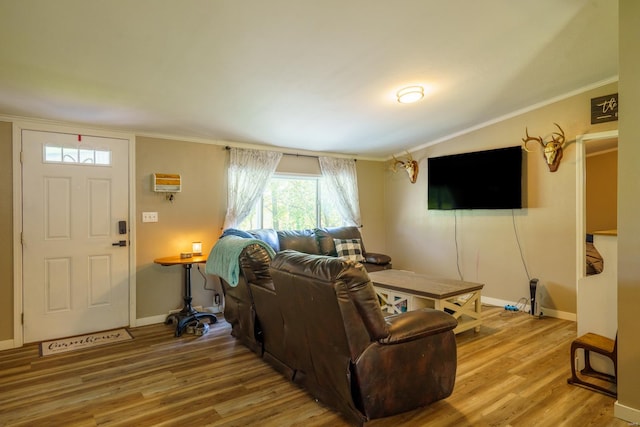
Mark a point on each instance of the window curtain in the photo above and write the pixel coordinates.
(248, 175)
(341, 183)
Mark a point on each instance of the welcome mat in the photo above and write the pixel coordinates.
(83, 341)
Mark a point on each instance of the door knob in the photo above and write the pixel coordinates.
(120, 243)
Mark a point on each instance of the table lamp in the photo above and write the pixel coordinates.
(196, 248)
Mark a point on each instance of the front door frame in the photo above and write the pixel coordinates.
(18, 127)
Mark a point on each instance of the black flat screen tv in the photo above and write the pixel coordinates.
(491, 179)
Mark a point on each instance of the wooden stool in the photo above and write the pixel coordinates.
(598, 344)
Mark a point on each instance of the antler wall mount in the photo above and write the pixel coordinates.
(551, 150)
(409, 165)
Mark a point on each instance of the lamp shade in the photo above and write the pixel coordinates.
(196, 248)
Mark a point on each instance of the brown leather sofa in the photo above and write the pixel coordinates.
(337, 344)
(319, 241)
(240, 310)
(316, 319)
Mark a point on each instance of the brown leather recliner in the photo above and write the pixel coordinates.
(341, 348)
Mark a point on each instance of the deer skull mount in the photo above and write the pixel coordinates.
(552, 150)
(410, 165)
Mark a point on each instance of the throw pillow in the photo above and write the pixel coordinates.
(349, 249)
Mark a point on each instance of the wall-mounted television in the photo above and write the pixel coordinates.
(491, 179)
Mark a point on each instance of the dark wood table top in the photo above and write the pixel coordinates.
(421, 284)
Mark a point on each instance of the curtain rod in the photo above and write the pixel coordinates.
(292, 154)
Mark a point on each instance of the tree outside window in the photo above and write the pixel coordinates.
(293, 203)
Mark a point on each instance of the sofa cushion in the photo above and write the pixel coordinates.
(325, 242)
(268, 235)
(349, 249)
(299, 240)
(325, 238)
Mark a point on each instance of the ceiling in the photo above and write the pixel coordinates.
(300, 75)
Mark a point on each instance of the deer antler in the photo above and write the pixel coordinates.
(531, 138)
(560, 135)
(395, 163)
(404, 163)
(409, 165)
(552, 150)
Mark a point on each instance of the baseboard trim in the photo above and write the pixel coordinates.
(7, 345)
(626, 413)
(549, 312)
(152, 320)
(160, 318)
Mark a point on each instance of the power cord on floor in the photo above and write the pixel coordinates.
(522, 303)
(518, 307)
(521, 306)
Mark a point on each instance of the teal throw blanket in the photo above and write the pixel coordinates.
(223, 258)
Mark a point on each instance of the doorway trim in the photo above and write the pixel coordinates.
(26, 124)
(581, 158)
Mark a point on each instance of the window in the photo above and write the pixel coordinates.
(292, 203)
(75, 155)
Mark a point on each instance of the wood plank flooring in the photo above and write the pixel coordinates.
(512, 373)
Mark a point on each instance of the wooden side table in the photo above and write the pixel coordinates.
(188, 313)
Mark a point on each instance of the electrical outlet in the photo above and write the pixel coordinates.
(149, 216)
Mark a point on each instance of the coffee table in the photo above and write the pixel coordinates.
(402, 290)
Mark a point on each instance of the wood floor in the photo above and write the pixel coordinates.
(512, 373)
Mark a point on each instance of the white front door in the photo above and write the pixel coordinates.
(75, 193)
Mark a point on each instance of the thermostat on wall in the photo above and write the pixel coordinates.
(166, 182)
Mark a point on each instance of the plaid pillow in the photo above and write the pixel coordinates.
(349, 249)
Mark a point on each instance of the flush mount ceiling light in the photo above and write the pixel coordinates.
(410, 94)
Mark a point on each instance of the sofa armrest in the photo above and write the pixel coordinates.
(254, 263)
(417, 324)
(375, 258)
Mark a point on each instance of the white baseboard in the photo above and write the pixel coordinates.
(6, 345)
(626, 413)
(178, 310)
(549, 312)
(214, 309)
(160, 318)
(152, 320)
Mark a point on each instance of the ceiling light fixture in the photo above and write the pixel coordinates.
(410, 94)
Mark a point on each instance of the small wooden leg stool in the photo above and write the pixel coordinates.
(598, 344)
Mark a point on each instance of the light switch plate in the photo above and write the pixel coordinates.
(149, 216)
